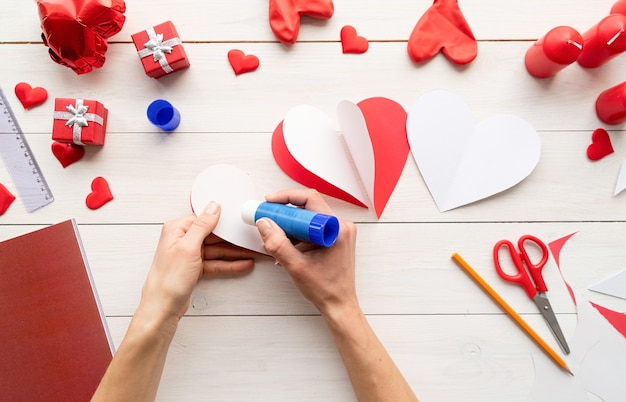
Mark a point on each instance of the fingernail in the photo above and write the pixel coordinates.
(211, 208)
(264, 227)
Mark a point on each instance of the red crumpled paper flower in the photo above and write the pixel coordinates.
(76, 31)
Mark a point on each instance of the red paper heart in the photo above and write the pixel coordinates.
(100, 193)
(386, 125)
(242, 63)
(444, 28)
(29, 96)
(6, 199)
(600, 145)
(351, 42)
(76, 31)
(67, 153)
(284, 16)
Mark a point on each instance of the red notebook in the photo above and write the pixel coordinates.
(54, 342)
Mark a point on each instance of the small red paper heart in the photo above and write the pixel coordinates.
(29, 96)
(600, 145)
(351, 42)
(100, 193)
(67, 153)
(444, 28)
(6, 199)
(242, 63)
(285, 15)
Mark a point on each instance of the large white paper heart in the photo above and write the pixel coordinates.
(463, 162)
(231, 187)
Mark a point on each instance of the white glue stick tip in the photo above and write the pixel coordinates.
(248, 211)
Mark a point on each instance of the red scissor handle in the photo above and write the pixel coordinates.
(521, 261)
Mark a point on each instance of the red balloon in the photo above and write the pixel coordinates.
(76, 31)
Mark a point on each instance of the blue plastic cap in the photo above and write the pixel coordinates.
(162, 114)
(324, 230)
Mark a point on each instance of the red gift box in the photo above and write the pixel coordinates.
(160, 50)
(79, 121)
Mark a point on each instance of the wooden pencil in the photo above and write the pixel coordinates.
(512, 313)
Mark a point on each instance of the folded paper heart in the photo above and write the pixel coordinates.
(216, 184)
(351, 42)
(361, 166)
(30, 97)
(463, 162)
(443, 28)
(67, 153)
(6, 199)
(100, 193)
(242, 63)
(600, 145)
(284, 16)
(76, 31)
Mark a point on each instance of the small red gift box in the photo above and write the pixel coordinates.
(160, 50)
(79, 121)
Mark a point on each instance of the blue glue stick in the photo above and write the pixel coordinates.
(297, 223)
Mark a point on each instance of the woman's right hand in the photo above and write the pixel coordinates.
(324, 275)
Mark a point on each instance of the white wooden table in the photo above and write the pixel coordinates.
(255, 337)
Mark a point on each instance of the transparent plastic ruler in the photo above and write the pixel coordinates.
(20, 161)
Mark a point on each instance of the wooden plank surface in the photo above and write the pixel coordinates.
(255, 337)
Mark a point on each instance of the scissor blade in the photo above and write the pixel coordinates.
(542, 302)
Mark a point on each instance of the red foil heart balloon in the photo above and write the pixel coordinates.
(443, 28)
(76, 31)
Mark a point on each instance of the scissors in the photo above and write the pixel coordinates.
(529, 276)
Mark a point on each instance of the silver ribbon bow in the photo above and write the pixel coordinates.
(78, 117)
(157, 48)
(78, 113)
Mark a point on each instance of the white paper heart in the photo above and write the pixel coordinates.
(463, 162)
(231, 187)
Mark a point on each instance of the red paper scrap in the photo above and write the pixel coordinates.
(6, 199)
(615, 318)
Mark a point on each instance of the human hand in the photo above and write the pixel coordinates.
(325, 276)
(186, 250)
